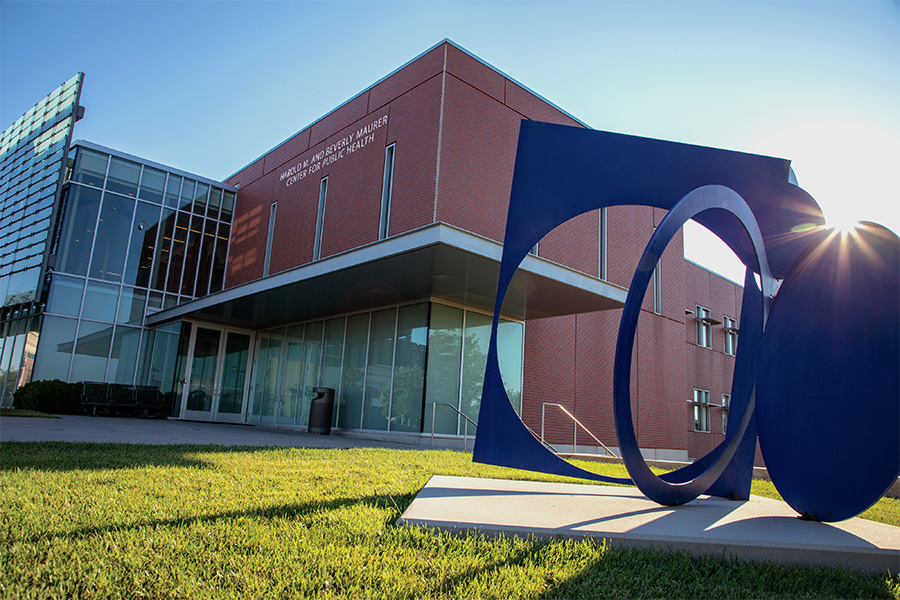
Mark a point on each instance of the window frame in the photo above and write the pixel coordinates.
(701, 410)
(703, 327)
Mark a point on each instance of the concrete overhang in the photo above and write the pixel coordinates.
(437, 262)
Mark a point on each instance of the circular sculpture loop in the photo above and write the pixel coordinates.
(711, 197)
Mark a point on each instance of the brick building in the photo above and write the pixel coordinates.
(362, 255)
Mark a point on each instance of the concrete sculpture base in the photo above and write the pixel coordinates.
(760, 529)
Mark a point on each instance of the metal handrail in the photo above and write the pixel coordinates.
(465, 431)
(578, 423)
(538, 438)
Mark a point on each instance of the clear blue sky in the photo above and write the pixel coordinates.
(210, 86)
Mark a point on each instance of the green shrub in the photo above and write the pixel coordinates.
(50, 396)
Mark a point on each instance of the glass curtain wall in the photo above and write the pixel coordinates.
(130, 238)
(388, 368)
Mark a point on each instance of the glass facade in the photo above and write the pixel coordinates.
(119, 226)
(32, 155)
(388, 367)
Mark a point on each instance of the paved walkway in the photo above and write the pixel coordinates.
(125, 430)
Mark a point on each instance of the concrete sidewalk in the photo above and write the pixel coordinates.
(69, 428)
(760, 529)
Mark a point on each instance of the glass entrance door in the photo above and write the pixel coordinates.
(216, 378)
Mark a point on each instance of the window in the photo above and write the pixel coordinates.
(726, 403)
(704, 334)
(657, 289)
(386, 189)
(731, 333)
(701, 410)
(320, 219)
(269, 239)
(601, 245)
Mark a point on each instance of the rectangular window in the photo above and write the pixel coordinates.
(601, 245)
(657, 289)
(269, 239)
(701, 410)
(726, 404)
(731, 333)
(320, 219)
(704, 334)
(386, 189)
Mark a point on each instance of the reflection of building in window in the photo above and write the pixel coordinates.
(731, 333)
(704, 335)
(701, 410)
(726, 404)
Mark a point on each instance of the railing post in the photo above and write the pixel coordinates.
(543, 411)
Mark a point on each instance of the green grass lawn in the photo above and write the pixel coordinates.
(101, 521)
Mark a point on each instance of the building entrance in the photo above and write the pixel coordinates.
(216, 377)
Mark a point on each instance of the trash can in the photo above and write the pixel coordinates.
(321, 410)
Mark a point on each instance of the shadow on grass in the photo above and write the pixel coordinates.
(653, 573)
(90, 456)
(285, 511)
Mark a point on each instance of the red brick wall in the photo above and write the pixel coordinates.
(455, 124)
(708, 368)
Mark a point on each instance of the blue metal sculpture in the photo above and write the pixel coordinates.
(817, 367)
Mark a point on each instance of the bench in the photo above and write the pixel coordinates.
(118, 398)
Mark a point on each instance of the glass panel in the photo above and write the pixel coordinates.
(293, 363)
(108, 257)
(131, 306)
(215, 200)
(227, 207)
(153, 182)
(74, 249)
(163, 245)
(31, 340)
(123, 358)
(178, 245)
(217, 277)
(379, 368)
(192, 253)
(91, 352)
(144, 232)
(444, 349)
(354, 372)
(187, 194)
(144, 357)
(273, 376)
(65, 295)
(23, 286)
(333, 352)
(154, 300)
(206, 257)
(12, 359)
(257, 388)
(173, 187)
(510, 340)
(168, 357)
(409, 368)
(200, 199)
(475, 348)
(100, 301)
(203, 370)
(234, 371)
(55, 349)
(309, 377)
(123, 177)
(90, 168)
